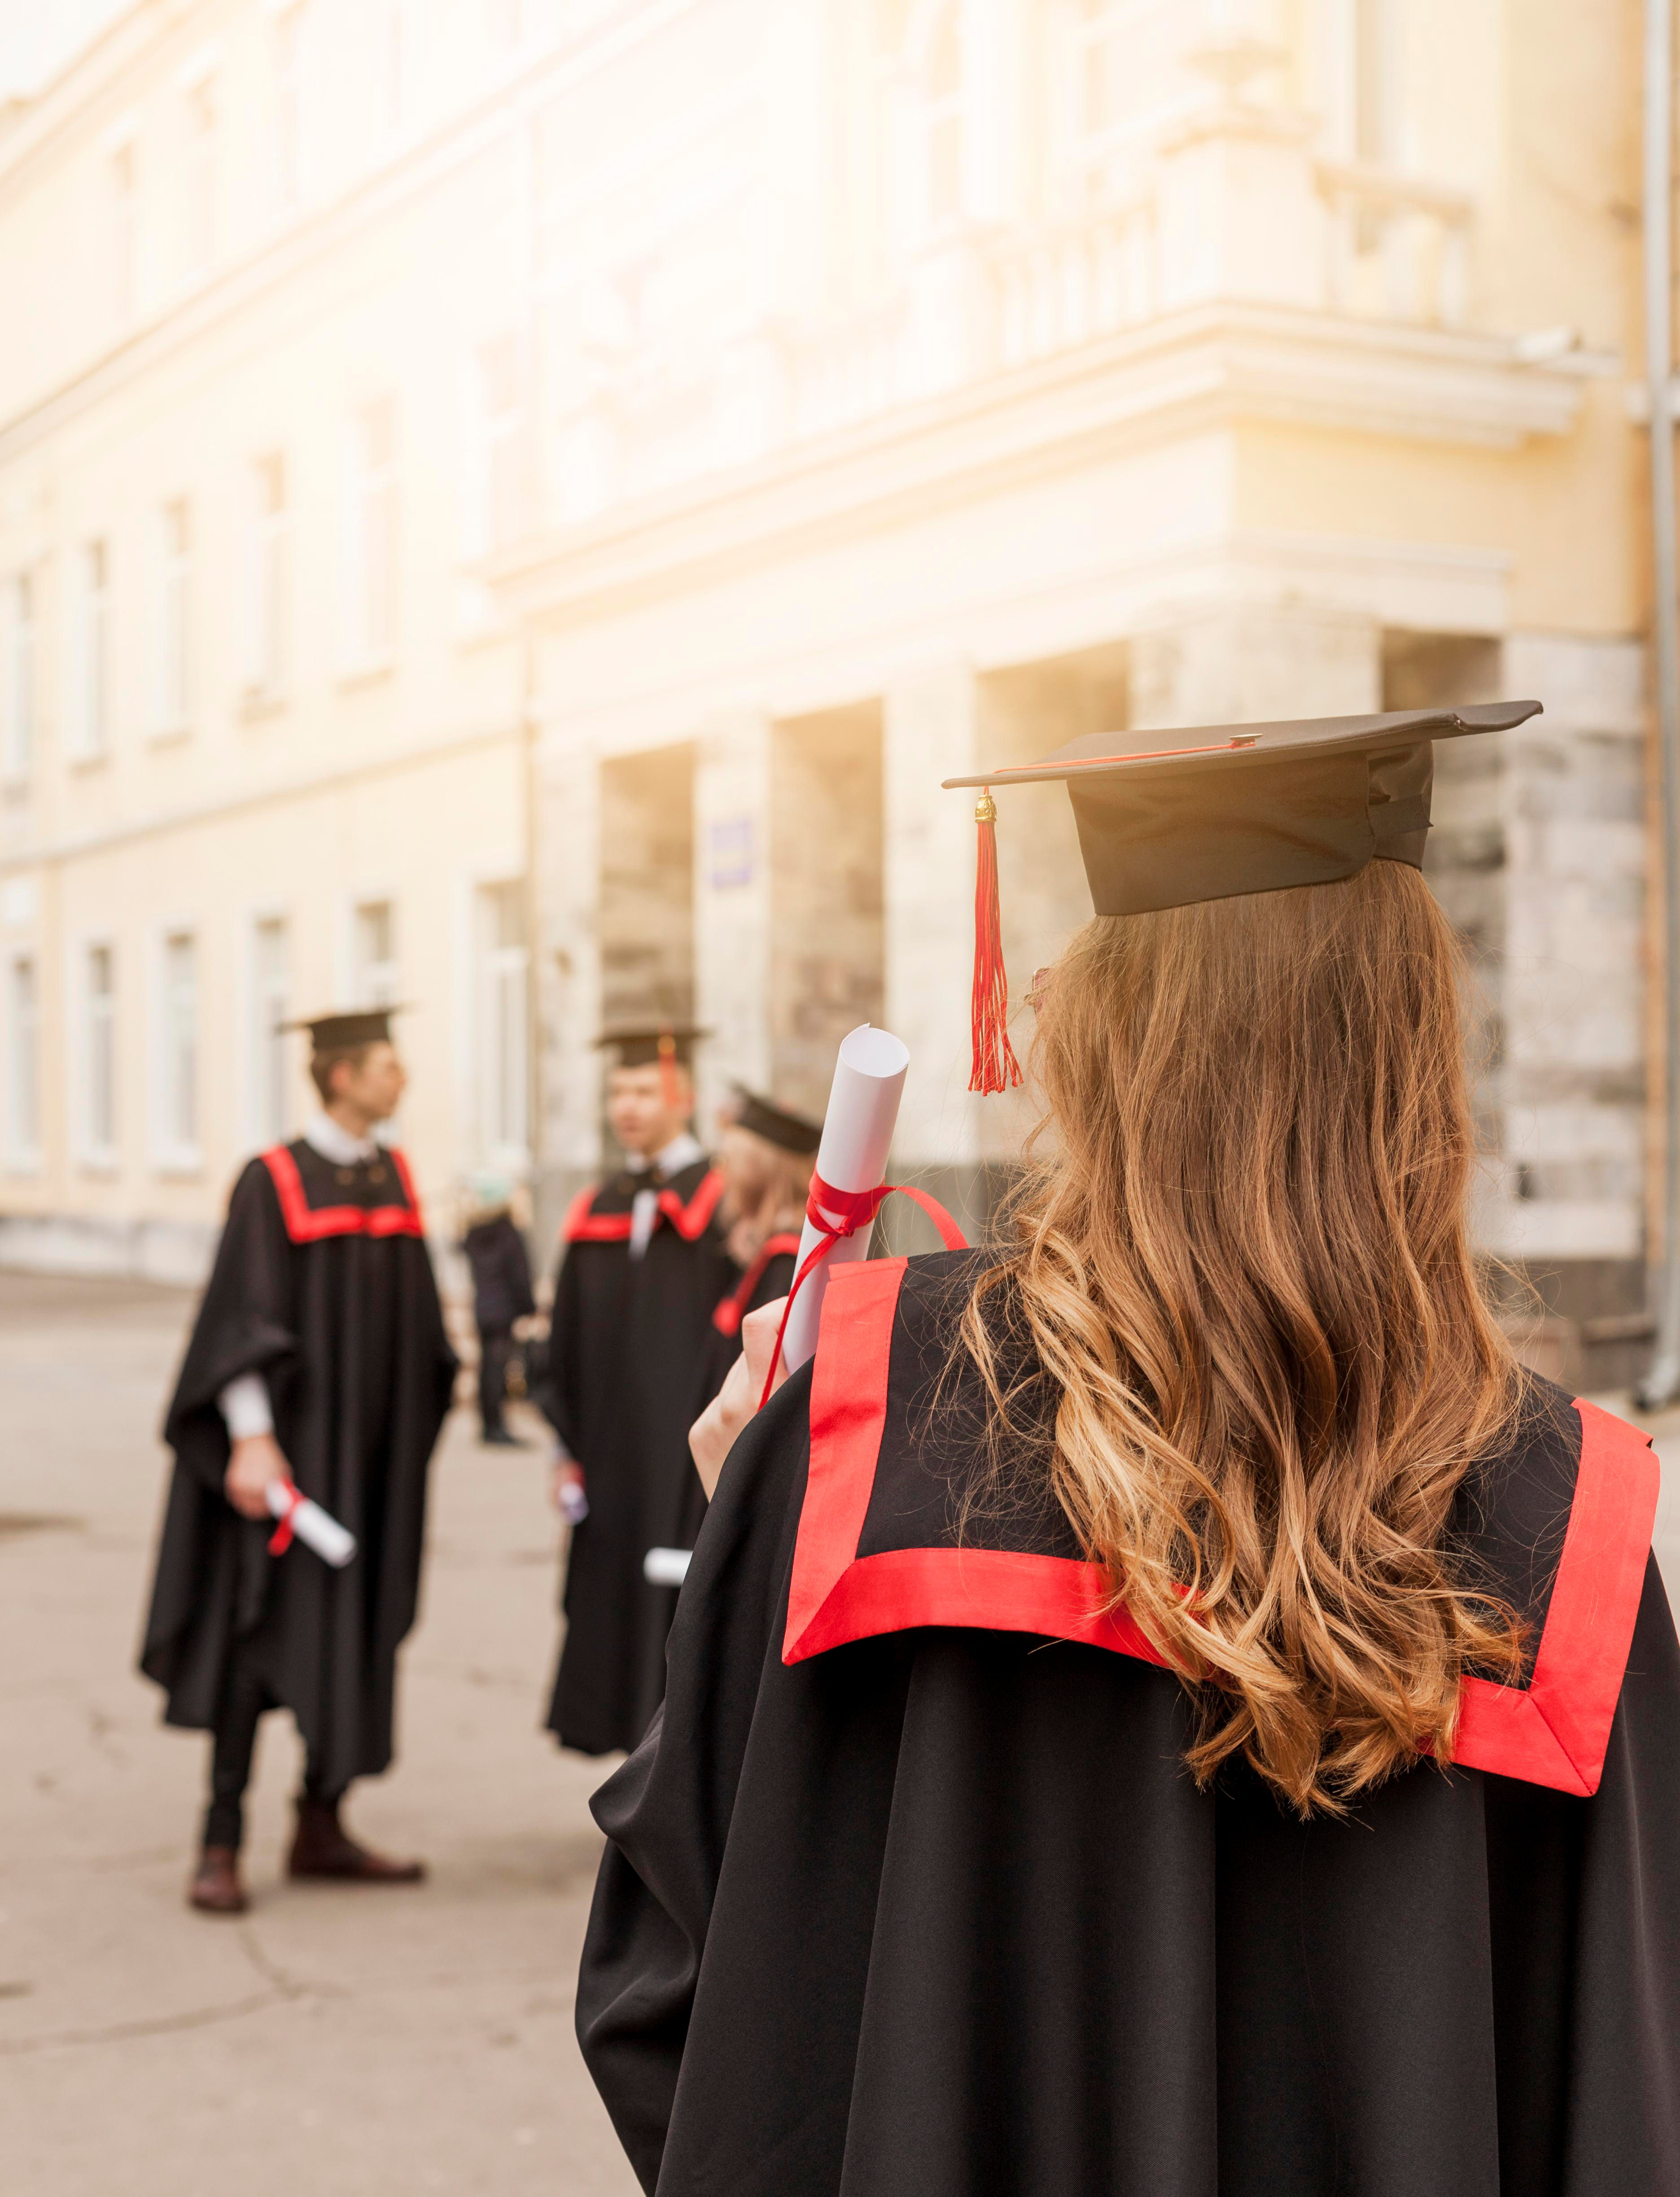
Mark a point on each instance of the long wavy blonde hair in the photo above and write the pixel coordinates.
(1241, 1259)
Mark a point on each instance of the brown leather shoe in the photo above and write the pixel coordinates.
(323, 1847)
(216, 1888)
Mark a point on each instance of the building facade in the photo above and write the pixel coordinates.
(262, 734)
(575, 476)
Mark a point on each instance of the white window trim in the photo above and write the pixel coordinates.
(21, 688)
(472, 1015)
(171, 715)
(257, 1132)
(349, 986)
(362, 654)
(86, 742)
(91, 1156)
(266, 532)
(171, 1157)
(24, 1157)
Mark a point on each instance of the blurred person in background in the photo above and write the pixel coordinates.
(1168, 1705)
(642, 1268)
(493, 1246)
(318, 1360)
(765, 1155)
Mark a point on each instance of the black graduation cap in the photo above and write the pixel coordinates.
(343, 1033)
(644, 1048)
(1167, 817)
(667, 1046)
(777, 1125)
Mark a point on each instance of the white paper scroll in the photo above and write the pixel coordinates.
(667, 1567)
(857, 1133)
(316, 1528)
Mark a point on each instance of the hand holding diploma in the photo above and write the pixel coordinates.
(307, 1522)
(712, 1436)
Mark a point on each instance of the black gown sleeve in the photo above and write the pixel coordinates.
(245, 1323)
(667, 1812)
(556, 1392)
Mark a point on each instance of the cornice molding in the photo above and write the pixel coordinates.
(1205, 366)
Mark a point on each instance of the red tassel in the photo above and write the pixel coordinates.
(995, 1066)
(669, 1089)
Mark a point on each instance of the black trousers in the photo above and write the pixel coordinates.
(245, 1695)
(495, 1348)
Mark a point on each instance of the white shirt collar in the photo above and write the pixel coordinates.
(335, 1143)
(682, 1151)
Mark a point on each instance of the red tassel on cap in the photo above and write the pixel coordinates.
(669, 1089)
(995, 1066)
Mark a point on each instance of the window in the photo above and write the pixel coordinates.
(288, 106)
(23, 1062)
(172, 642)
(501, 389)
(270, 1006)
(502, 1046)
(99, 1054)
(374, 946)
(123, 215)
(198, 181)
(19, 677)
(942, 119)
(178, 1052)
(371, 518)
(90, 649)
(265, 577)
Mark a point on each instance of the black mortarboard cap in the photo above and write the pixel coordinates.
(777, 1125)
(646, 1048)
(342, 1033)
(1167, 817)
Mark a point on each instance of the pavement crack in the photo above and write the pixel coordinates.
(285, 1986)
(163, 2025)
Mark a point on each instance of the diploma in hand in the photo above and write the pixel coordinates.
(307, 1521)
(857, 1132)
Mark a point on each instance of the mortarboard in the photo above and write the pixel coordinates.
(342, 1033)
(1168, 818)
(668, 1046)
(792, 1133)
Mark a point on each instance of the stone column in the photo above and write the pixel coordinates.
(731, 907)
(1236, 664)
(1572, 1080)
(929, 731)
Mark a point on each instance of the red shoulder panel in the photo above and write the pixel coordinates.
(304, 1225)
(835, 1594)
(1555, 1731)
(691, 1221)
(581, 1226)
(732, 1310)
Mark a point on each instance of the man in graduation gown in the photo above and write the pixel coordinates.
(642, 1269)
(318, 1357)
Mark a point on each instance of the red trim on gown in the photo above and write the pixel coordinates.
(1552, 1732)
(691, 1221)
(307, 1224)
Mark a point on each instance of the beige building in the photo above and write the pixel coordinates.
(721, 419)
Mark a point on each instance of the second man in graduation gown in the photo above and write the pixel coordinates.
(319, 1356)
(642, 1269)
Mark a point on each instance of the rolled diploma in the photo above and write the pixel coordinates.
(316, 1528)
(857, 1133)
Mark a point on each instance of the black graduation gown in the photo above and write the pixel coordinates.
(323, 1283)
(626, 1357)
(908, 1894)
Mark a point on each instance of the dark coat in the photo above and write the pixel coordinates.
(323, 1283)
(502, 1291)
(907, 1896)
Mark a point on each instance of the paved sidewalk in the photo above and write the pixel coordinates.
(335, 2040)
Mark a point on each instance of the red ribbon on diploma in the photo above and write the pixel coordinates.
(857, 1208)
(280, 1540)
